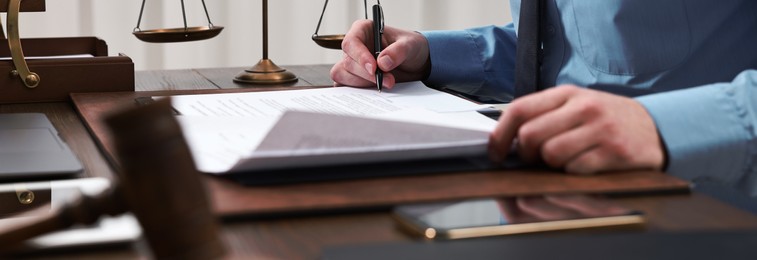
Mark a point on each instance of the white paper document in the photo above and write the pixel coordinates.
(338, 139)
(338, 100)
(233, 132)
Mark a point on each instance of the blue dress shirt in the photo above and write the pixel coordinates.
(700, 55)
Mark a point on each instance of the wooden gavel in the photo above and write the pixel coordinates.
(158, 183)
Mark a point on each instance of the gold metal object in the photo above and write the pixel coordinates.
(30, 79)
(624, 220)
(24, 195)
(178, 34)
(265, 72)
(333, 41)
(183, 34)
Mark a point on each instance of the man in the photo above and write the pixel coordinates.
(698, 56)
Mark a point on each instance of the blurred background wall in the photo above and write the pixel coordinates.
(291, 24)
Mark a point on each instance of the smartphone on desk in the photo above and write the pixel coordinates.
(503, 216)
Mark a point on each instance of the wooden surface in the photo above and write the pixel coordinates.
(26, 6)
(303, 237)
(231, 199)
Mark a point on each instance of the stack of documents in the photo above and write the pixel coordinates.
(262, 131)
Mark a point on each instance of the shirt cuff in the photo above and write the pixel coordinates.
(455, 60)
(705, 131)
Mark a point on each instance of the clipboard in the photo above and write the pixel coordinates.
(53, 77)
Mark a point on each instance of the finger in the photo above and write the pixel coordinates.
(342, 74)
(534, 133)
(389, 80)
(344, 78)
(356, 44)
(607, 153)
(357, 69)
(406, 54)
(591, 162)
(519, 112)
(391, 59)
(564, 147)
(501, 139)
(362, 64)
(395, 53)
(534, 107)
(609, 156)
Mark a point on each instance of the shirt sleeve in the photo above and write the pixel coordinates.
(477, 62)
(709, 131)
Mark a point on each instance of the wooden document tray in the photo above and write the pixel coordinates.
(26, 6)
(61, 76)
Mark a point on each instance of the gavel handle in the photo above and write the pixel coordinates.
(86, 210)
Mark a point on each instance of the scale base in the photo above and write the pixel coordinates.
(267, 73)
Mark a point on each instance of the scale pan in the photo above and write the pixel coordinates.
(329, 41)
(179, 34)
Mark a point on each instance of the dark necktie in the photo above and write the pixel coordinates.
(528, 50)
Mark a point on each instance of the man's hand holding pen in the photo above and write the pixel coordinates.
(405, 57)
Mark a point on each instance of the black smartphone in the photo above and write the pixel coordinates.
(503, 216)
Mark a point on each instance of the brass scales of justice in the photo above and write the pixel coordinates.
(265, 72)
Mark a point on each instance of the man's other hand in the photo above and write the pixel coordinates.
(583, 131)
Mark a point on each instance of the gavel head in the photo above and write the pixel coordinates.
(160, 184)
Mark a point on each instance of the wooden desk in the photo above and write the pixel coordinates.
(304, 237)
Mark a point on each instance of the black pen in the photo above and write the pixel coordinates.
(378, 31)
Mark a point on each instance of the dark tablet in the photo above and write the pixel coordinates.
(30, 147)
